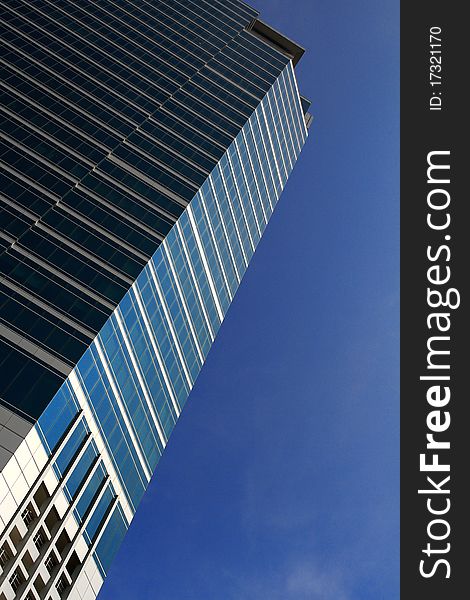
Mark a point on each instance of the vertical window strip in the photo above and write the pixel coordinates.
(195, 281)
(230, 208)
(289, 105)
(140, 377)
(209, 252)
(175, 249)
(255, 177)
(237, 201)
(295, 108)
(215, 244)
(167, 252)
(124, 371)
(273, 122)
(173, 333)
(119, 406)
(224, 227)
(285, 131)
(122, 408)
(153, 339)
(247, 184)
(296, 95)
(241, 198)
(204, 262)
(262, 120)
(266, 163)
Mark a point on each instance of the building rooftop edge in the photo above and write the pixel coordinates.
(276, 38)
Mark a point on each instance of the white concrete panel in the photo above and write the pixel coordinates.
(31, 472)
(61, 504)
(81, 548)
(20, 489)
(82, 584)
(8, 507)
(50, 481)
(11, 471)
(33, 440)
(23, 454)
(89, 594)
(3, 488)
(71, 526)
(40, 457)
(97, 582)
(73, 594)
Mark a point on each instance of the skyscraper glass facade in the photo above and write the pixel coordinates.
(145, 146)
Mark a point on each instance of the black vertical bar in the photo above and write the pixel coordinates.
(434, 269)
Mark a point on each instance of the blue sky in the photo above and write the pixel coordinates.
(281, 479)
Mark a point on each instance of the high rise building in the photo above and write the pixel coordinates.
(145, 144)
